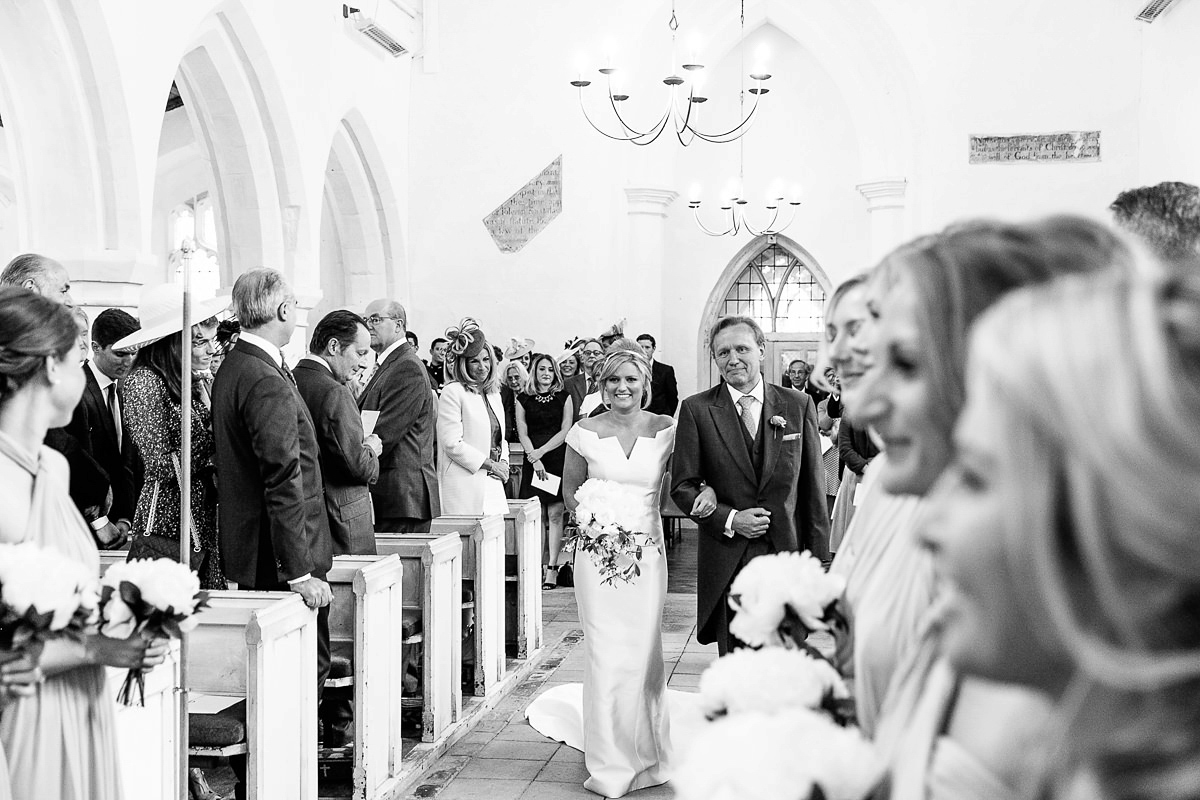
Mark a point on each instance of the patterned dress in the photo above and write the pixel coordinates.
(153, 419)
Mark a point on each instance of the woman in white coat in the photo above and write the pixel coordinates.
(473, 457)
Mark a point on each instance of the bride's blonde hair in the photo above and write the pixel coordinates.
(1096, 383)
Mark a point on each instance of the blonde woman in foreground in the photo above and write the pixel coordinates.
(1066, 528)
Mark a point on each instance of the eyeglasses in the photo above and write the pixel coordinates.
(375, 319)
(593, 352)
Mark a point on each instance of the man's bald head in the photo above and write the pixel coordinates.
(39, 274)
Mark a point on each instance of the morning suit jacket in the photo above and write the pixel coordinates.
(711, 447)
(347, 465)
(271, 506)
(664, 391)
(97, 462)
(400, 391)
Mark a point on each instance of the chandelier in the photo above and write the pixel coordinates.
(780, 211)
(683, 103)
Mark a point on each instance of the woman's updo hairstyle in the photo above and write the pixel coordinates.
(622, 352)
(32, 329)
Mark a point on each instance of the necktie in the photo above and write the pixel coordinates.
(283, 364)
(115, 411)
(591, 386)
(746, 403)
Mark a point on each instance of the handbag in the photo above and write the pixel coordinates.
(166, 546)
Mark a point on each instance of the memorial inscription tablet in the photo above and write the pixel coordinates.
(1076, 146)
(526, 214)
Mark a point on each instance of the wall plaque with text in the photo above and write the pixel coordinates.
(1075, 146)
(526, 214)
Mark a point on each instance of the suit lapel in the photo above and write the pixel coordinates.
(101, 404)
(729, 428)
(772, 405)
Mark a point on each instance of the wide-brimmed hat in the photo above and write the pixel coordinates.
(569, 353)
(465, 339)
(518, 347)
(160, 312)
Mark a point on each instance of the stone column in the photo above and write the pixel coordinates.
(641, 277)
(886, 203)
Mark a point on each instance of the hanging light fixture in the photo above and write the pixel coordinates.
(733, 209)
(680, 109)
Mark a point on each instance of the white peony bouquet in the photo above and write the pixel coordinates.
(796, 754)
(781, 598)
(769, 681)
(43, 594)
(157, 598)
(607, 517)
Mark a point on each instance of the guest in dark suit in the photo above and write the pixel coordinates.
(406, 495)
(274, 529)
(584, 383)
(98, 428)
(664, 391)
(437, 363)
(341, 345)
(749, 469)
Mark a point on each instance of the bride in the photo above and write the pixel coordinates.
(625, 734)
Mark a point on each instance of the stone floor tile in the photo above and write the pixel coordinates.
(563, 772)
(503, 769)
(694, 663)
(678, 681)
(567, 755)
(529, 751)
(520, 731)
(483, 789)
(557, 791)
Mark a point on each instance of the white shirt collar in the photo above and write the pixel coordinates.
(103, 380)
(262, 344)
(391, 348)
(317, 360)
(756, 392)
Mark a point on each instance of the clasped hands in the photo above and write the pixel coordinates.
(751, 523)
(496, 469)
(21, 676)
(315, 592)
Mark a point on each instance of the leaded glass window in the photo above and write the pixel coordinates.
(779, 292)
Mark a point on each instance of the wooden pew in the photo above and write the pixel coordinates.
(260, 648)
(483, 563)
(433, 594)
(516, 462)
(148, 745)
(523, 545)
(365, 624)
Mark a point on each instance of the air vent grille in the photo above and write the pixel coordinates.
(1154, 9)
(381, 38)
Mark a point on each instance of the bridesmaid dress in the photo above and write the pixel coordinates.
(625, 734)
(61, 741)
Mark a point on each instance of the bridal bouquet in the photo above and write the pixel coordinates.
(794, 754)
(607, 516)
(43, 594)
(155, 597)
(783, 597)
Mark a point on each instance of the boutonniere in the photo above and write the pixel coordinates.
(778, 423)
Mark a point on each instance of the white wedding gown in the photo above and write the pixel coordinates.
(622, 724)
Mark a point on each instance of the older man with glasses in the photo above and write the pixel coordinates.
(405, 496)
(583, 383)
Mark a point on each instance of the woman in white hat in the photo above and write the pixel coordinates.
(153, 414)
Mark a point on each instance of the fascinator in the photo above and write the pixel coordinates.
(617, 331)
(466, 339)
(518, 347)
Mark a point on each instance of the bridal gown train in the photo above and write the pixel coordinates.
(624, 727)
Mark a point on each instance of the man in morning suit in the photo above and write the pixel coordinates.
(757, 447)
(341, 345)
(406, 495)
(664, 391)
(583, 383)
(271, 508)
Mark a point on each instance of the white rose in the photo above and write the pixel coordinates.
(770, 680)
(118, 621)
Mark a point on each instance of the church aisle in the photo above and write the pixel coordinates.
(503, 758)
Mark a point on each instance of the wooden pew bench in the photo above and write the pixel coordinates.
(483, 564)
(365, 624)
(432, 599)
(523, 571)
(252, 679)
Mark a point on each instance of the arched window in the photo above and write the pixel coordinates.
(779, 292)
